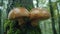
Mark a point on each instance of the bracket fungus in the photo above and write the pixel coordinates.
(18, 14)
(37, 14)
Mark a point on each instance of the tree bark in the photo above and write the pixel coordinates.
(0, 20)
(52, 17)
(58, 16)
(37, 2)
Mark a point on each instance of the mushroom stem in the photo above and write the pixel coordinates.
(21, 22)
(34, 23)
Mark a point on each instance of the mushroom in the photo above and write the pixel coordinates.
(37, 14)
(18, 14)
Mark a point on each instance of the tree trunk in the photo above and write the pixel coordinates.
(52, 17)
(58, 16)
(0, 20)
(37, 2)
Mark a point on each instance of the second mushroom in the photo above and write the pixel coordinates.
(37, 14)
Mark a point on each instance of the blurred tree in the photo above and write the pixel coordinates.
(37, 2)
(1, 23)
(0, 20)
(52, 18)
(1, 2)
(58, 4)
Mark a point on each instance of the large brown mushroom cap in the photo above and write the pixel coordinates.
(18, 13)
(39, 13)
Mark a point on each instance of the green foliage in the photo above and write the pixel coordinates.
(6, 24)
(13, 31)
(17, 4)
(10, 31)
(17, 31)
(11, 27)
(54, 5)
(29, 7)
(12, 24)
(42, 1)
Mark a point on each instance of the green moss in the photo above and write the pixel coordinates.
(10, 31)
(6, 24)
(17, 31)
